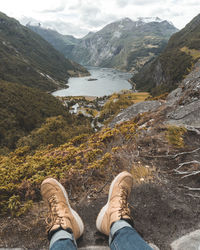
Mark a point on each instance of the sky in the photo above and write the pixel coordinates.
(78, 17)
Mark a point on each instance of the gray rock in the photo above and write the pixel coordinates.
(174, 96)
(185, 101)
(153, 246)
(134, 110)
(186, 115)
(190, 241)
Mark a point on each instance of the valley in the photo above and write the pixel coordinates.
(134, 106)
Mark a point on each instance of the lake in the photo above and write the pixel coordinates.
(108, 81)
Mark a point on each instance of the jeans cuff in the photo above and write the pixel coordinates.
(61, 234)
(117, 226)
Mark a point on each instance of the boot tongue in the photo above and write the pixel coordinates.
(61, 209)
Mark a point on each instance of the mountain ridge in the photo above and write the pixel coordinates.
(28, 59)
(182, 50)
(124, 44)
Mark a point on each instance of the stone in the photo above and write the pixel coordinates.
(189, 241)
(186, 115)
(134, 110)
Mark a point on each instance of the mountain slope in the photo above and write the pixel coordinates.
(124, 44)
(22, 109)
(165, 72)
(28, 59)
(35, 118)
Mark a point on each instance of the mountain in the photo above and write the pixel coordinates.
(124, 44)
(165, 72)
(28, 59)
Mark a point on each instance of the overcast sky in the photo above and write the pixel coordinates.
(78, 17)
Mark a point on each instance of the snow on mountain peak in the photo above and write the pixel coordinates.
(149, 19)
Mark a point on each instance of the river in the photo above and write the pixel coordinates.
(108, 81)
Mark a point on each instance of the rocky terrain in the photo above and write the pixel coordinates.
(124, 44)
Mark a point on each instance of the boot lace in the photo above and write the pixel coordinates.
(124, 205)
(53, 215)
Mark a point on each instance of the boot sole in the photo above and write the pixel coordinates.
(104, 208)
(74, 213)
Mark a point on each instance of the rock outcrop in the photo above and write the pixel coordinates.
(184, 102)
(134, 110)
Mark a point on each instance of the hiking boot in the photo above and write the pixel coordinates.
(61, 215)
(117, 206)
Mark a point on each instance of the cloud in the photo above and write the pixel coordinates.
(78, 16)
(93, 17)
(65, 28)
(55, 8)
(124, 3)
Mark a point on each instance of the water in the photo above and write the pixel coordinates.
(108, 81)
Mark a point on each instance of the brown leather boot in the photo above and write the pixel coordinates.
(60, 212)
(117, 207)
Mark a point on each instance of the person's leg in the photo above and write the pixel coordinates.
(115, 220)
(124, 237)
(62, 240)
(64, 225)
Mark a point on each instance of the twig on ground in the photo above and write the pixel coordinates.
(191, 174)
(171, 156)
(191, 189)
(186, 163)
(101, 189)
(193, 129)
(194, 196)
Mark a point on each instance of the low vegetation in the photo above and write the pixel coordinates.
(118, 102)
(175, 135)
(21, 172)
(192, 52)
(81, 164)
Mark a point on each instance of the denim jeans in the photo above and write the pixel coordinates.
(122, 237)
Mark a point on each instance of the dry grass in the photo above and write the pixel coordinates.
(142, 173)
(193, 52)
(174, 136)
(120, 101)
